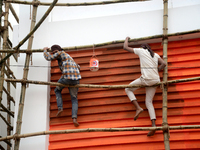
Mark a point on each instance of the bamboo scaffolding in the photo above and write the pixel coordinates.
(165, 75)
(25, 75)
(31, 33)
(9, 72)
(26, 67)
(73, 4)
(99, 130)
(104, 44)
(98, 86)
(5, 36)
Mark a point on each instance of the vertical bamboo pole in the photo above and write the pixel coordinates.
(5, 36)
(165, 75)
(25, 75)
(8, 106)
(1, 79)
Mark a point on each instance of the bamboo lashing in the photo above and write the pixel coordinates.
(99, 130)
(97, 86)
(103, 44)
(72, 4)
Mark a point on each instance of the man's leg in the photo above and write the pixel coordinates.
(139, 110)
(130, 94)
(73, 93)
(150, 92)
(59, 100)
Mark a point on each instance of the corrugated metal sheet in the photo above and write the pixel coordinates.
(103, 108)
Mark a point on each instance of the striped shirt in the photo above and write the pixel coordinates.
(68, 67)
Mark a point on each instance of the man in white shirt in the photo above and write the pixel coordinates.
(149, 62)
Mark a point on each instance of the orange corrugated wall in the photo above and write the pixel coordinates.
(111, 108)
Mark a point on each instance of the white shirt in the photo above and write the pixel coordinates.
(148, 65)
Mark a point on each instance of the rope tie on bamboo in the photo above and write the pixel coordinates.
(166, 128)
(21, 104)
(24, 82)
(35, 3)
(15, 136)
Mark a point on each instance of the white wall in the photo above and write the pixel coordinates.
(75, 26)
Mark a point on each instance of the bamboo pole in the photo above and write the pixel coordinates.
(5, 36)
(181, 127)
(26, 67)
(6, 110)
(14, 13)
(73, 4)
(165, 75)
(98, 86)
(8, 94)
(104, 44)
(9, 128)
(25, 75)
(31, 33)
(7, 122)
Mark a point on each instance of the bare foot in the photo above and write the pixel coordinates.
(138, 111)
(76, 124)
(151, 133)
(59, 112)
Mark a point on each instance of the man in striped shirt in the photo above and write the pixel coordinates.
(70, 75)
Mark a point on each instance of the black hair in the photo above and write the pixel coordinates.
(146, 46)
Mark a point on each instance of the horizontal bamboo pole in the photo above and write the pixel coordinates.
(104, 44)
(97, 86)
(98, 130)
(73, 4)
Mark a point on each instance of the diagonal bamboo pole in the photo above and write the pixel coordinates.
(73, 4)
(26, 68)
(181, 127)
(6, 110)
(165, 75)
(104, 44)
(8, 94)
(7, 122)
(31, 33)
(98, 86)
(14, 13)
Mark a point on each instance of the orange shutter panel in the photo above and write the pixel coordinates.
(111, 108)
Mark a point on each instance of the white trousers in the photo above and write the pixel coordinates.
(150, 92)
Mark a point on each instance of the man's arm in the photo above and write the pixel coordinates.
(48, 56)
(126, 47)
(162, 64)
